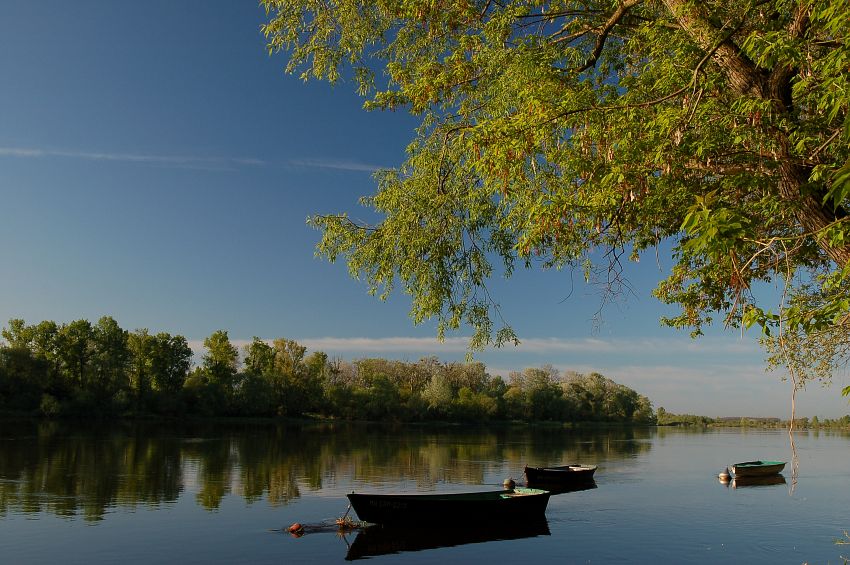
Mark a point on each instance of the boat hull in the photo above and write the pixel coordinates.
(480, 507)
(560, 475)
(757, 468)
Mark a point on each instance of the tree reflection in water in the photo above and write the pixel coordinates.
(81, 470)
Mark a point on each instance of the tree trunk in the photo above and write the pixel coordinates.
(746, 78)
(743, 75)
(811, 213)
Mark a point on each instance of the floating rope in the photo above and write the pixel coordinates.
(341, 525)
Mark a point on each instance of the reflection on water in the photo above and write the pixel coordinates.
(746, 482)
(81, 471)
(378, 540)
(555, 488)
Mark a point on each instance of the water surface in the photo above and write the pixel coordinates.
(201, 493)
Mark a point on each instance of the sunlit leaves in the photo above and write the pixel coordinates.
(839, 192)
(573, 134)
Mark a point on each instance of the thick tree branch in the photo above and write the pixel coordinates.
(744, 76)
(779, 81)
(615, 18)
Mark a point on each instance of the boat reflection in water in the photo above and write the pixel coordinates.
(747, 482)
(385, 540)
(555, 489)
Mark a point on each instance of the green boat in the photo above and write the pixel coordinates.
(757, 468)
(514, 505)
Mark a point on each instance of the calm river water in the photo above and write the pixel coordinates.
(197, 493)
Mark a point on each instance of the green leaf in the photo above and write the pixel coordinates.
(839, 189)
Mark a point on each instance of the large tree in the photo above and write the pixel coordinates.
(580, 133)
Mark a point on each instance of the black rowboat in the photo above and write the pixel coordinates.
(560, 475)
(513, 505)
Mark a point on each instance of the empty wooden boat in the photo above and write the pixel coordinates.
(479, 507)
(560, 475)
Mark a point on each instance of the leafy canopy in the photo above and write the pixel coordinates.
(580, 133)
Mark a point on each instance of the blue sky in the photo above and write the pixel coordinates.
(157, 166)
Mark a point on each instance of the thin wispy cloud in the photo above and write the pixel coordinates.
(537, 346)
(388, 344)
(20, 152)
(189, 161)
(541, 345)
(636, 346)
(358, 346)
(182, 161)
(336, 164)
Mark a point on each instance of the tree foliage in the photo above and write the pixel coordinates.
(139, 373)
(574, 134)
(91, 370)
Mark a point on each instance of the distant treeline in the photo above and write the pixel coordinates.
(84, 369)
(664, 418)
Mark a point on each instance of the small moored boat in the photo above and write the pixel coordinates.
(757, 468)
(482, 507)
(562, 474)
